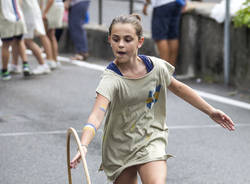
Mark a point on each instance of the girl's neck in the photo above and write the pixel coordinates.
(134, 68)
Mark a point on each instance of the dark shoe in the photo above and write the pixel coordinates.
(26, 70)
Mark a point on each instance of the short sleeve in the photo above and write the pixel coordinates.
(106, 86)
(166, 69)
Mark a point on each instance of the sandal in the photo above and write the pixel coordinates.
(80, 57)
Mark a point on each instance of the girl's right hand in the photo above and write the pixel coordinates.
(77, 158)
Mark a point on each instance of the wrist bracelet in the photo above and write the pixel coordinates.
(91, 127)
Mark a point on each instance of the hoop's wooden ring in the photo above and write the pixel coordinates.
(85, 167)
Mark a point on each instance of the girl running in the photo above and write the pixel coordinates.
(133, 94)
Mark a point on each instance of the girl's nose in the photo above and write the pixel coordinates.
(121, 43)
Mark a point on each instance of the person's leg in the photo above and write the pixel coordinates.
(35, 50)
(163, 48)
(22, 52)
(42, 68)
(173, 46)
(54, 44)
(14, 67)
(173, 31)
(77, 15)
(14, 54)
(47, 46)
(168, 50)
(5, 59)
(153, 172)
(5, 53)
(21, 49)
(129, 175)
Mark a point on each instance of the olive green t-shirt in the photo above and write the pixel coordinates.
(135, 130)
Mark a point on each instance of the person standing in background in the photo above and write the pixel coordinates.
(77, 13)
(12, 28)
(33, 20)
(165, 27)
(52, 13)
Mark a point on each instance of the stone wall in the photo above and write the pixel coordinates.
(201, 51)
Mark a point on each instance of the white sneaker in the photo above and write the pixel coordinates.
(15, 69)
(52, 64)
(41, 69)
(58, 64)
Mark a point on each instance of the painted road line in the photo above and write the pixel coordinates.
(56, 132)
(224, 100)
(203, 94)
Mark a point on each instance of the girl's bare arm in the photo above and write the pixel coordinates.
(96, 117)
(190, 96)
(47, 7)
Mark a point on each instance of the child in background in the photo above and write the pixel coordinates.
(33, 20)
(133, 95)
(12, 28)
(78, 16)
(52, 13)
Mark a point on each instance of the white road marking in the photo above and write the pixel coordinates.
(203, 94)
(224, 100)
(179, 127)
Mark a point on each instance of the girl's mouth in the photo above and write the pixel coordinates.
(121, 53)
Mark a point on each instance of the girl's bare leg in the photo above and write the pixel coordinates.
(54, 44)
(21, 49)
(35, 50)
(14, 54)
(163, 48)
(174, 48)
(47, 47)
(129, 175)
(153, 172)
(5, 54)
(168, 50)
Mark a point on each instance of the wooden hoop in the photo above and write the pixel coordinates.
(69, 132)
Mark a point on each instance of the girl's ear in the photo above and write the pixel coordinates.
(109, 39)
(141, 40)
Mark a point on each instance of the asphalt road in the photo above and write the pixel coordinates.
(35, 114)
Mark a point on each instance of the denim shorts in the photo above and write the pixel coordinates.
(165, 21)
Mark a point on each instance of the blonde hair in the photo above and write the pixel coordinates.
(133, 19)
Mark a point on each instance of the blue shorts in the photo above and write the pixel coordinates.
(165, 21)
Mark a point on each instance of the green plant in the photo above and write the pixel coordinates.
(242, 17)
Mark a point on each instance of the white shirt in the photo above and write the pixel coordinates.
(156, 3)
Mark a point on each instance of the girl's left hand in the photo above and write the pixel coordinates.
(222, 119)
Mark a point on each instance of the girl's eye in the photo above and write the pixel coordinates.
(115, 39)
(128, 39)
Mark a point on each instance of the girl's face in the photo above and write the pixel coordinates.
(124, 42)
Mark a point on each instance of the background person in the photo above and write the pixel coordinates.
(52, 13)
(12, 28)
(165, 27)
(77, 14)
